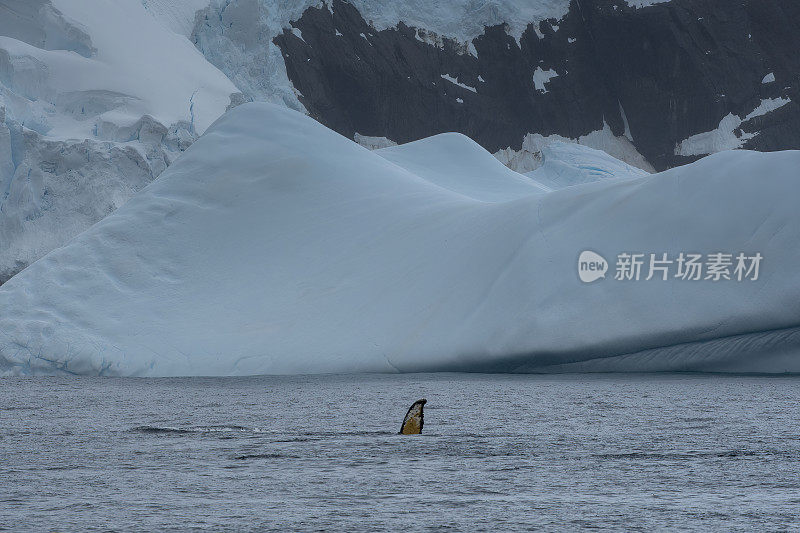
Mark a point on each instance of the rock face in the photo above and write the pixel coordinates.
(664, 76)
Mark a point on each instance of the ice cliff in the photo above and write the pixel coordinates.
(275, 245)
(96, 99)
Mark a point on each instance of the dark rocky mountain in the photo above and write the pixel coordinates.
(671, 70)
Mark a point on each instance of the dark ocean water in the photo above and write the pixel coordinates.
(610, 452)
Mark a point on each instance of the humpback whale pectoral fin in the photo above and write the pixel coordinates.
(415, 417)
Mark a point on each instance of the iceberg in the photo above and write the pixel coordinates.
(473, 172)
(276, 246)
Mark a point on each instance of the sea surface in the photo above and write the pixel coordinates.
(498, 452)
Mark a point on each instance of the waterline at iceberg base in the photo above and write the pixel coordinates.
(276, 246)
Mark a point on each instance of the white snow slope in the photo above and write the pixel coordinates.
(254, 254)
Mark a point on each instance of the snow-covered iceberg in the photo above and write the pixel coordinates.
(459, 164)
(274, 245)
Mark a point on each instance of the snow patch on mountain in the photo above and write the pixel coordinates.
(456, 82)
(541, 77)
(529, 156)
(728, 135)
(724, 137)
(644, 3)
(767, 105)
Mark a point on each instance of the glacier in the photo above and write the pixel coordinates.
(276, 246)
(96, 99)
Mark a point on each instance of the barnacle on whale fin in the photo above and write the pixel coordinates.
(415, 418)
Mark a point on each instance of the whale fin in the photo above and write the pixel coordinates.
(415, 417)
